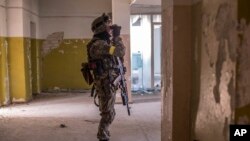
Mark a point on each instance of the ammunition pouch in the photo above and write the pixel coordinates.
(86, 73)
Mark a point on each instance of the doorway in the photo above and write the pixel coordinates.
(145, 31)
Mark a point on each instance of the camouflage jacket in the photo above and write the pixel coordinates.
(102, 53)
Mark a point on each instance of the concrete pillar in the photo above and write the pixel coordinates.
(167, 71)
(176, 71)
(18, 46)
(199, 42)
(121, 16)
(218, 43)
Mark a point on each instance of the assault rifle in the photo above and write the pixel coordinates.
(122, 84)
(122, 69)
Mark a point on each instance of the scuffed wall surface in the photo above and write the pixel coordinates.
(1, 76)
(27, 65)
(36, 46)
(217, 79)
(243, 87)
(18, 72)
(167, 71)
(64, 52)
(243, 65)
(61, 66)
(52, 41)
(4, 76)
(196, 66)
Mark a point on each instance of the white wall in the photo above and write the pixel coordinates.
(19, 15)
(30, 14)
(158, 2)
(121, 14)
(32, 6)
(3, 31)
(148, 2)
(73, 17)
(15, 22)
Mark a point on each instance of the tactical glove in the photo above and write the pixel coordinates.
(116, 30)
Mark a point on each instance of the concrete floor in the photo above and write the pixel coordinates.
(40, 119)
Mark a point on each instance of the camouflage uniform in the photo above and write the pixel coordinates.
(102, 53)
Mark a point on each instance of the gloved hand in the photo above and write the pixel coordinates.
(119, 51)
(116, 30)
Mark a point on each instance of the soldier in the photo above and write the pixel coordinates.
(101, 53)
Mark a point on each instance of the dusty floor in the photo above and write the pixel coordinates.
(40, 119)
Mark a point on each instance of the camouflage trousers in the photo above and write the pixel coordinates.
(106, 94)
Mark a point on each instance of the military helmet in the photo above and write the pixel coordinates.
(100, 24)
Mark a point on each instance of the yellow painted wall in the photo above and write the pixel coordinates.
(1, 71)
(20, 89)
(4, 85)
(61, 66)
(35, 65)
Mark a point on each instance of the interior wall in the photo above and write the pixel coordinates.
(167, 71)
(210, 96)
(182, 56)
(215, 43)
(243, 66)
(65, 28)
(177, 84)
(196, 66)
(4, 79)
(148, 2)
(74, 18)
(17, 74)
(3, 25)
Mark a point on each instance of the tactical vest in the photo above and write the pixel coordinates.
(100, 66)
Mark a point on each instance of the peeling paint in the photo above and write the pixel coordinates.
(67, 42)
(207, 19)
(61, 51)
(28, 53)
(226, 129)
(52, 41)
(56, 88)
(17, 100)
(217, 70)
(7, 90)
(223, 21)
(225, 30)
(7, 80)
(231, 91)
(4, 92)
(72, 53)
(243, 70)
(221, 57)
